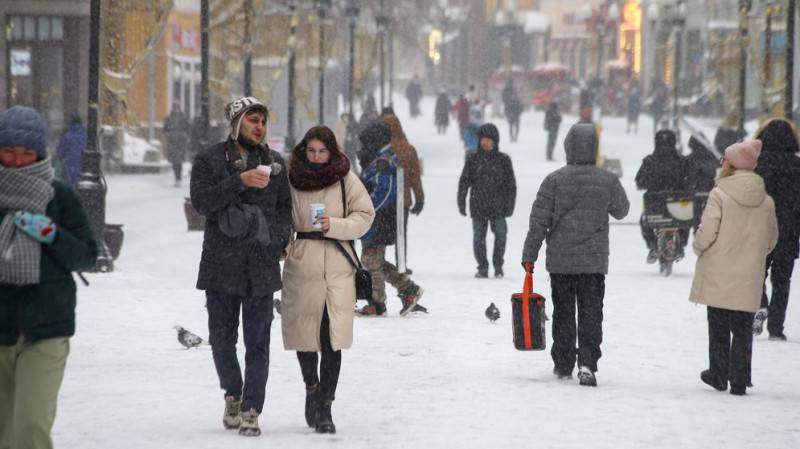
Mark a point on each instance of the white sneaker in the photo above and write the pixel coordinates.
(232, 418)
(586, 377)
(758, 321)
(249, 427)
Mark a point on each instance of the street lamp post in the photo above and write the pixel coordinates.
(322, 12)
(382, 20)
(678, 22)
(248, 50)
(91, 189)
(789, 99)
(744, 10)
(204, 97)
(289, 141)
(352, 13)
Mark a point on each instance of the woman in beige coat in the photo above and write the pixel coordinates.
(319, 292)
(737, 231)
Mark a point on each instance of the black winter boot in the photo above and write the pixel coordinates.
(312, 404)
(713, 381)
(324, 420)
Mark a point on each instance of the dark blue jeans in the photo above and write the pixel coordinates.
(500, 230)
(223, 333)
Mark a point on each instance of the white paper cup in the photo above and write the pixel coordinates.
(316, 211)
(266, 169)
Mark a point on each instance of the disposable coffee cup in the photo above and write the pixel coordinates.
(266, 169)
(317, 210)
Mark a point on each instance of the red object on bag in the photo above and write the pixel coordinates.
(528, 318)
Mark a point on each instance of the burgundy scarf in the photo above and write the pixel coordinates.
(303, 177)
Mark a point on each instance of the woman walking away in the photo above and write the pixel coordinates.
(330, 207)
(738, 224)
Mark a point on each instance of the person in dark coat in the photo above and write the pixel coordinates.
(488, 176)
(779, 165)
(176, 132)
(239, 268)
(633, 109)
(442, 112)
(379, 174)
(513, 109)
(571, 213)
(729, 133)
(552, 120)
(414, 95)
(701, 169)
(70, 152)
(664, 170)
(44, 236)
(659, 104)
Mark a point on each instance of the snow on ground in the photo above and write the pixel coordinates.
(450, 379)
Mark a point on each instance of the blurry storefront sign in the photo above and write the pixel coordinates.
(184, 39)
(20, 62)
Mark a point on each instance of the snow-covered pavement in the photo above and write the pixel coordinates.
(450, 379)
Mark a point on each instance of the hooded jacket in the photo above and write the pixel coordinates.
(701, 167)
(488, 176)
(408, 160)
(572, 207)
(737, 231)
(779, 165)
(665, 169)
(379, 176)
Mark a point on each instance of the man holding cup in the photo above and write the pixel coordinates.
(241, 187)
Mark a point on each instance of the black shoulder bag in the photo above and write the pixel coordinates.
(363, 276)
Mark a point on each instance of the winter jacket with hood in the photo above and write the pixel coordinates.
(701, 167)
(737, 231)
(779, 165)
(379, 176)
(409, 160)
(488, 176)
(665, 169)
(572, 207)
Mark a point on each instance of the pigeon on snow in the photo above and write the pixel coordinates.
(492, 312)
(188, 339)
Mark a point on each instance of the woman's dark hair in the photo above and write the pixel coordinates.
(324, 135)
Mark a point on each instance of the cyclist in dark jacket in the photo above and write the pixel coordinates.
(664, 170)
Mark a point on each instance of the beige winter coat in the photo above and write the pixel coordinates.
(316, 273)
(737, 231)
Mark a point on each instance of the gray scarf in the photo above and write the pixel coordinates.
(29, 189)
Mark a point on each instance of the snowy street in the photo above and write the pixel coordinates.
(450, 379)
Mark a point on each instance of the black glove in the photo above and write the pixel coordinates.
(417, 207)
(462, 211)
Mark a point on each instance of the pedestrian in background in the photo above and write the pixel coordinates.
(779, 166)
(738, 224)
(319, 291)
(552, 121)
(248, 217)
(44, 236)
(488, 177)
(176, 132)
(571, 214)
(442, 112)
(69, 154)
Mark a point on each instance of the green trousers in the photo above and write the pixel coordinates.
(30, 377)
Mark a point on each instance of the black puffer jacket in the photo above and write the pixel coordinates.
(779, 165)
(572, 208)
(489, 176)
(234, 266)
(665, 169)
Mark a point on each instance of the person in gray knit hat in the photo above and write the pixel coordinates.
(241, 187)
(44, 235)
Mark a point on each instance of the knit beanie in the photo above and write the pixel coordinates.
(21, 126)
(744, 155)
(235, 112)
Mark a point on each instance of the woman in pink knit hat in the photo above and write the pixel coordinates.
(737, 231)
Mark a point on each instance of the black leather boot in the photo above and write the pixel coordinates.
(312, 404)
(324, 420)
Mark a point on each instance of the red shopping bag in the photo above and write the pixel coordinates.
(528, 318)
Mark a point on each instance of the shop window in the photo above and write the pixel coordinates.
(57, 28)
(44, 28)
(185, 85)
(14, 31)
(30, 28)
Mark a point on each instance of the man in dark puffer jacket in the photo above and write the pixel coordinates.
(44, 235)
(489, 176)
(664, 170)
(571, 213)
(779, 165)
